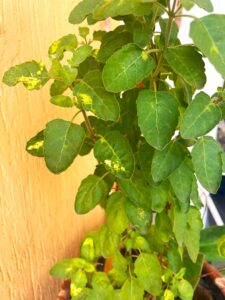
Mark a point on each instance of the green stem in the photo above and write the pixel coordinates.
(77, 113)
(170, 24)
(179, 9)
(186, 16)
(88, 125)
(167, 38)
(153, 51)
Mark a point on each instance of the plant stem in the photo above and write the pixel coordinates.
(76, 114)
(170, 24)
(167, 38)
(153, 51)
(186, 16)
(88, 125)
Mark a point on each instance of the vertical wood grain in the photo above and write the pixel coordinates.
(38, 225)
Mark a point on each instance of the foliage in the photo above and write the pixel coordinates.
(138, 93)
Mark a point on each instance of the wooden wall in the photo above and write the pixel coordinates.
(38, 225)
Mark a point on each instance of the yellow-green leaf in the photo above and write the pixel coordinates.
(32, 74)
(132, 290)
(35, 146)
(148, 271)
(91, 96)
(63, 101)
(115, 152)
(65, 43)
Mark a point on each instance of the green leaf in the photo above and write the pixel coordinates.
(187, 4)
(100, 280)
(163, 22)
(82, 10)
(145, 155)
(134, 65)
(65, 43)
(192, 233)
(102, 288)
(208, 163)
(117, 277)
(140, 218)
(87, 250)
(195, 198)
(157, 117)
(208, 35)
(115, 152)
(221, 246)
(140, 243)
(194, 122)
(185, 290)
(83, 32)
(63, 268)
(148, 271)
(102, 294)
(115, 213)
(181, 181)
(111, 42)
(132, 290)
(205, 4)
(209, 242)
(166, 161)
(91, 192)
(67, 267)
(193, 270)
(88, 65)
(80, 54)
(63, 101)
(179, 224)
(62, 143)
(223, 161)
(187, 63)
(87, 146)
(35, 146)
(159, 196)
(78, 283)
(141, 34)
(32, 74)
(163, 226)
(128, 123)
(91, 96)
(63, 73)
(57, 88)
(174, 257)
(101, 171)
(113, 8)
(109, 243)
(84, 292)
(98, 35)
(137, 190)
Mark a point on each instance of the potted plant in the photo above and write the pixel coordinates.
(138, 93)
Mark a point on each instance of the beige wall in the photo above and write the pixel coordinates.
(37, 223)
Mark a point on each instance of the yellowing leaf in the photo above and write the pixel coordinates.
(32, 74)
